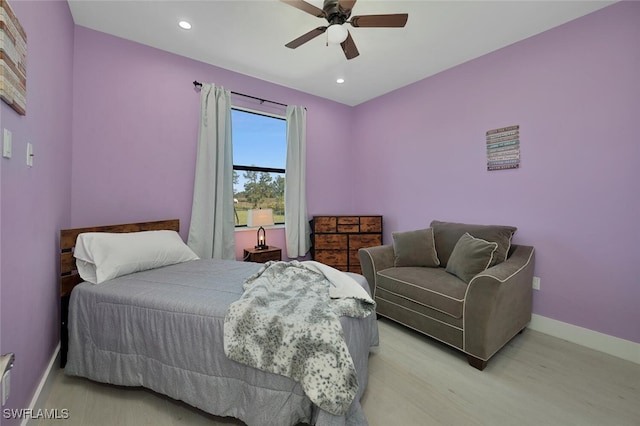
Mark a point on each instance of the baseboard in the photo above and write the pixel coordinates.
(611, 345)
(42, 391)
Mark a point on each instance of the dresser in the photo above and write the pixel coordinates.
(337, 239)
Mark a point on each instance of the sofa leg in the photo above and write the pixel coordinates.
(476, 362)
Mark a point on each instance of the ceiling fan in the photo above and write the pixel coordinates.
(337, 13)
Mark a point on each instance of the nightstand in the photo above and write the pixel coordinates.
(262, 256)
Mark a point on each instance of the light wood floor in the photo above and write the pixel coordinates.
(413, 380)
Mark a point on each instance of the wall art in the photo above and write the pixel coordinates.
(13, 60)
(503, 148)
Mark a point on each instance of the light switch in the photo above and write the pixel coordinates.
(6, 144)
(30, 154)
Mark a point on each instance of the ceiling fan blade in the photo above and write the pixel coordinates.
(347, 5)
(306, 37)
(385, 21)
(349, 47)
(305, 7)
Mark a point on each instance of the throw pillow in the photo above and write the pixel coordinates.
(415, 248)
(470, 256)
(447, 235)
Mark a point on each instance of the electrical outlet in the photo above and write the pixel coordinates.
(536, 283)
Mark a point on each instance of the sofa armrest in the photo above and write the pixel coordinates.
(497, 303)
(374, 259)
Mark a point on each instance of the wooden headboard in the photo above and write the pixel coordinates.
(69, 276)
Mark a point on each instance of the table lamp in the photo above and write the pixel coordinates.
(260, 217)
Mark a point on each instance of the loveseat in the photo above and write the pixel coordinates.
(465, 285)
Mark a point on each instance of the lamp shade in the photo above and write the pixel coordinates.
(260, 217)
(336, 34)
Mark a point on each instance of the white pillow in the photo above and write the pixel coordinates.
(101, 256)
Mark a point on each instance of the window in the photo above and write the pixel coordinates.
(259, 161)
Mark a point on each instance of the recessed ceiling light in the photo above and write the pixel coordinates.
(184, 25)
(340, 80)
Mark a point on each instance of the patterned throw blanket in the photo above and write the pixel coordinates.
(286, 323)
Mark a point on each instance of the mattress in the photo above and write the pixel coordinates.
(163, 329)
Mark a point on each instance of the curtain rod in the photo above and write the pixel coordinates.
(197, 83)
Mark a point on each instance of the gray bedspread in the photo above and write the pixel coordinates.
(163, 329)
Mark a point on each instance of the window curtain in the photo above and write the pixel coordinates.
(212, 229)
(297, 229)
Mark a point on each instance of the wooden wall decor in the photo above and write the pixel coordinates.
(13, 60)
(503, 148)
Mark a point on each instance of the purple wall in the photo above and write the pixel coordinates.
(36, 201)
(574, 92)
(135, 134)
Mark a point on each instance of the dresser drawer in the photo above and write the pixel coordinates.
(325, 224)
(348, 224)
(330, 241)
(332, 257)
(370, 224)
(357, 241)
(354, 258)
(356, 269)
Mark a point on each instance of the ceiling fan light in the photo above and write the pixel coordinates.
(336, 34)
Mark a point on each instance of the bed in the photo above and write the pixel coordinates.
(163, 329)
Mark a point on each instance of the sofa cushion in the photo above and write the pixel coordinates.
(415, 248)
(447, 234)
(421, 318)
(471, 256)
(431, 287)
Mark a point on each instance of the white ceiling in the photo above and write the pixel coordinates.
(249, 37)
